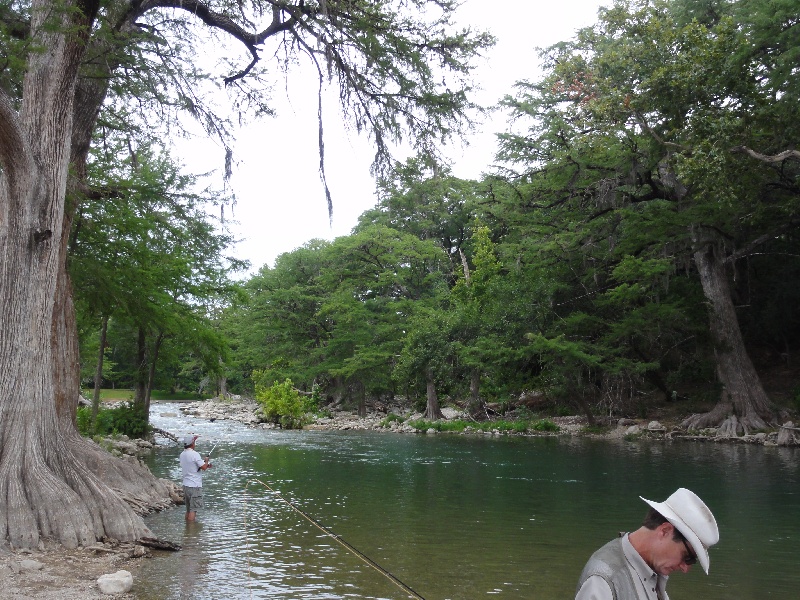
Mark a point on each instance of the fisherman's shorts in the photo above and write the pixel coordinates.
(193, 497)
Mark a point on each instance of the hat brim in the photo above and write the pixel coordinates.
(670, 515)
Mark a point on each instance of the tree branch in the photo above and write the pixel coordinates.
(224, 23)
(785, 155)
(748, 249)
(641, 120)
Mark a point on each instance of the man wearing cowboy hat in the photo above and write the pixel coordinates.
(675, 534)
(192, 467)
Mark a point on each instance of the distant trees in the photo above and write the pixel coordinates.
(640, 242)
(147, 256)
(640, 156)
(401, 72)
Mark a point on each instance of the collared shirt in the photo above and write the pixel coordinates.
(191, 461)
(649, 584)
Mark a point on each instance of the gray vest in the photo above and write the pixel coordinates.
(609, 562)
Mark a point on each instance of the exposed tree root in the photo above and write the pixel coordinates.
(728, 424)
(131, 481)
(710, 419)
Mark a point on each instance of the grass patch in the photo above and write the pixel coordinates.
(121, 395)
(596, 429)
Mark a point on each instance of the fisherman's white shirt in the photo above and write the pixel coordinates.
(191, 461)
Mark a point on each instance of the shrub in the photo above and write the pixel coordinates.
(390, 418)
(125, 419)
(282, 404)
(544, 425)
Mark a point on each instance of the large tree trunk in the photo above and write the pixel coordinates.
(477, 406)
(151, 375)
(47, 489)
(140, 384)
(432, 410)
(98, 373)
(744, 401)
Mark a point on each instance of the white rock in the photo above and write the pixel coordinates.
(633, 430)
(655, 426)
(115, 583)
(451, 413)
(30, 565)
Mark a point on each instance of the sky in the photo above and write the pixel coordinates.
(280, 202)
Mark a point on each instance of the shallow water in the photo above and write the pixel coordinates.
(457, 517)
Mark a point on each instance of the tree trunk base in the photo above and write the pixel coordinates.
(727, 423)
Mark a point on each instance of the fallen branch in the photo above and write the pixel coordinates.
(166, 434)
(158, 544)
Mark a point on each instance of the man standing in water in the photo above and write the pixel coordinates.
(192, 466)
(675, 534)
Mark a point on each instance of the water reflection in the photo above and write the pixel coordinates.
(192, 561)
(457, 517)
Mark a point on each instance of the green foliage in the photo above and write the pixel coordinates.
(125, 419)
(281, 403)
(544, 425)
(795, 399)
(574, 272)
(391, 418)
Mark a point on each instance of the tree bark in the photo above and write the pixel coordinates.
(151, 375)
(98, 373)
(476, 405)
(742, 396)
(47, 486)
(432, 410)
(140, 385)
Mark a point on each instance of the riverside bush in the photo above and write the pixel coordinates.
(390, 418)
(125, 419)
(281, 403)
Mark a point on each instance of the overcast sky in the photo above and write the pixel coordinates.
(280, 201)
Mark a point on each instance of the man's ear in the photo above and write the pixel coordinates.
(666, 529)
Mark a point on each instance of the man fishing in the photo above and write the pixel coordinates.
(192, 466)
(675, 534)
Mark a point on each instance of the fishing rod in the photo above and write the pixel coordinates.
(366, 559)
(208, 456)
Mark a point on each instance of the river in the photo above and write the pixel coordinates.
(457, 517)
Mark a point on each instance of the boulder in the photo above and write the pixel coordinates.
(29, 565)
(787, 434)
(115, 583)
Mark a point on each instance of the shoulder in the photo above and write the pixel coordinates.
(600, 572)
(595, 588)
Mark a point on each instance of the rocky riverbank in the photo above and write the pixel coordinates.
(98, 572)
(245, 411)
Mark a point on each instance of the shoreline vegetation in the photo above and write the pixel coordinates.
(400, 419)
(56, 573)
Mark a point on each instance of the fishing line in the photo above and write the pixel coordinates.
(364, 558)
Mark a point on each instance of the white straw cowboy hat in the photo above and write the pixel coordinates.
(689, 515)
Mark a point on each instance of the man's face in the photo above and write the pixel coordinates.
(672, 555)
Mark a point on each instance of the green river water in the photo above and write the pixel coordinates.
(458, 517)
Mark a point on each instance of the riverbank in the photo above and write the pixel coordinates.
(398, 419)
(56, 573)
